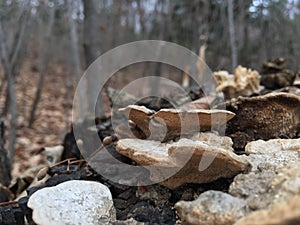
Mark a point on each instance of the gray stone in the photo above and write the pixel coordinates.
(127, 222)
(72, 203)
(254, 188)
(285, 205)
(268, 158)
(211, 208)
(273, 154)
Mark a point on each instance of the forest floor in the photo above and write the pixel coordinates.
(54, 112)
(272, 115)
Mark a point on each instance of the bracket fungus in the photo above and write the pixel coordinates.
(194, 158)
(185, 161)
(167, 124)
(264, 117)
(244, 81)
(275, 75)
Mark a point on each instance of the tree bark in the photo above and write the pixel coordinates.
(91, 52)
(16, 56)
(141, 19)
(76, 53)
(232, 34)
(5, 176)
(43, 67)
(11, 95)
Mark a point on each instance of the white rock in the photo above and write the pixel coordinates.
(212, 207)
(273, 154)
(72, 203)
(53, 154)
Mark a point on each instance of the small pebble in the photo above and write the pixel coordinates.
(108, 140)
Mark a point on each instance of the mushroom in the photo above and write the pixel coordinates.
(168, 124)
(275, 75)
(185, 161)
(264, 117)
(139, 116)
(244, 81)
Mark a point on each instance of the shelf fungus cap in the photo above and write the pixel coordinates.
(185, 161)
(265, 117)
(140, 117)
(167, 124)
(244, 81)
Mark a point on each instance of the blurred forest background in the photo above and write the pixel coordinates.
(47, 44)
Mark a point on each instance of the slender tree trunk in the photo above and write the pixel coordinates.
(5, 176)
(115, 23)
(75, 53)
(92, 51)
(20, 38)
(12, 94)
(43, 67)
(6, 104)
(15, 57)
(232, 34)
(157, 67)
(141, 19)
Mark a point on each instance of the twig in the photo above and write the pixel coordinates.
(9, 203)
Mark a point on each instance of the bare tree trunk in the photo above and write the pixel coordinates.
(141, 18)
(15, 57)
(5, 176)
(43, 67)
(76, 54)
(156, 69)
(232, 34)
(115, 24)
(12, 95)
(92, 51)
(20, 38)
(6, 104)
